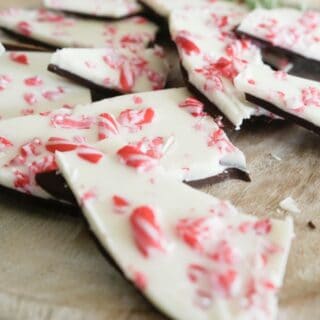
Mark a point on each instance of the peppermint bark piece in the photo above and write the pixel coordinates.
(112, 70)
(168, 127)
(288, 96)
(212, 56)
(179, 246)
(26, 87)
(114, 9)
(292, 31)
(28, 145)
(57, 30)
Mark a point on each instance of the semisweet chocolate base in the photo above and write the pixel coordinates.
(89, 16)
(303, 66)
(28, 40)
(105, 92)
(55, 184)
(274, 109)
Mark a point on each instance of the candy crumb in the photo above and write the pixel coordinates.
(274, 156)
(290, 205)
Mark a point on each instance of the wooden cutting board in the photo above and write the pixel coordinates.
(51, 269)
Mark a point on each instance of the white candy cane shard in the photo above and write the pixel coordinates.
(290, 29)
(97, 8)
(179, 246)
(122, 70)
(164, 128)
(57, 30)
(212, 56)
(288, 96)
(26, 87)
(28, 146)
(290, 205)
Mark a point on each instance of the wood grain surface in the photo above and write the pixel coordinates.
(50, 268)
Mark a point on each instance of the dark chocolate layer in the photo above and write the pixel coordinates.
(274, 109)
(303, 66)
(107, 93)
(55, 184)
(88, 16)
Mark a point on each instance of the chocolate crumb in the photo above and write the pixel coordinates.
(311, 225)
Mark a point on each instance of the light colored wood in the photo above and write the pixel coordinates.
(51, 269)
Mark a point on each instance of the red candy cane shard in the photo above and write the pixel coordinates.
(60, 144)
(33, 81)
(140, 280)
(135, 119)
(120, 204)
(107, 126)
(194, 232)
(263, 227)
(21, 58)
(147, 232)
(89, 154)
(66, 121)
(187, 45)
(24, 28)
(133, 157)
(30, 98)
(5, 143)
(193, 106)
(126, 78)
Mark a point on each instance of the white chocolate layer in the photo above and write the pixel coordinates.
(99, 8)
(60, 31)
(193, 256)
(212, 56)
(290, 29)
(297, 96)
(26, 87)
(117, 69)
(191, 146)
